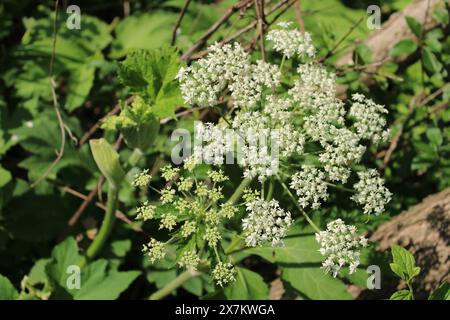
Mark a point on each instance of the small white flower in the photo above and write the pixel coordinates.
(265, 222)
(291, 42)
(371, 192)
(339, 244)
(310, 186)
(369, 120)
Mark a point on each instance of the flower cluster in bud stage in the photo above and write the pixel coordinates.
(193, 216)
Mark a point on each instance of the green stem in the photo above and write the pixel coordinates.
(174, 284)
(238, 192)
(233, 244)
(282, 63)
(106, 228)
(135, 156)
(270, 191)
(297, 205)
(340, 187)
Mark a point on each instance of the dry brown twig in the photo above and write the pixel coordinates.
(250, 26)
(61, 124)
(178, 23)
(240, 5)
(259, 8)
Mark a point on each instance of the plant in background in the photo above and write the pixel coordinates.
(404, 266)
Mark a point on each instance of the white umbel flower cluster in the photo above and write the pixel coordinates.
(369, 118)
(291, 42)
(226, 66)
(315, 87)
(339, 244)
(265, 223)
(310, 185)
(371, 192)
(212, 143)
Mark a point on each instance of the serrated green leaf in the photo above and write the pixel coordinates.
(5, 176)
(63, 255)
(37, 273)
(131, 32)
(151, 74)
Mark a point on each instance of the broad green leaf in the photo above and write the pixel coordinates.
(434, 44)
(248, 286)
(441, 293)
(77, 54)
(41, 137)
(404, 264)
(434, 135)
(145, 31)
(7, 290)
(430, 61)
(98, 282)
(300, 261)
(5, 176)
(63, 255)
(441, 15)
(402, 295)
(414, 25)
(403, 48)
(364, 53)
(120, 247)
(37, 273)
(80, 84)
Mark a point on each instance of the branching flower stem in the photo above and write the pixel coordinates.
(188, 274)
(285, 187)
(239, 190)
(174, 284)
